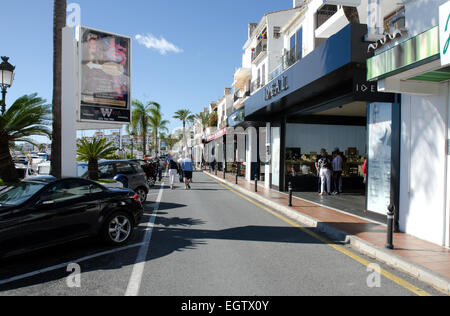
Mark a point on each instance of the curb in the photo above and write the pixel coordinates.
(421, 273)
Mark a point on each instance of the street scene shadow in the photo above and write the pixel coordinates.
(170, 234)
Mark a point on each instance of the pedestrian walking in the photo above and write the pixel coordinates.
(187, 166)
(173, 171)
(324, 167)
(337, 164)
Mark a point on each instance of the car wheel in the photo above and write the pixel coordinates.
(142, 193)
(118, 229)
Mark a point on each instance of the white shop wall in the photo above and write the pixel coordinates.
(312, 137)
(423, 165)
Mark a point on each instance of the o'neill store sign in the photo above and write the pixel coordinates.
(444, 33)
(276, 88)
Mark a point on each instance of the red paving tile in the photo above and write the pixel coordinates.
(420, 252)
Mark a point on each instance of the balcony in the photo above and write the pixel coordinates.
(239, 98)
(255, 86)
(259, 50)
(289, 59)
(240, 94)
(330, 20)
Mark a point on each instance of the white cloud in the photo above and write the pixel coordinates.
(159, 44)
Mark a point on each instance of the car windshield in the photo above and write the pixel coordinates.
(18, 193)
(82, 170)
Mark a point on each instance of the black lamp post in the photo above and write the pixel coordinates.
(6, 79)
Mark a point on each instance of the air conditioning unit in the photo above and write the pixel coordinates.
(347, 3)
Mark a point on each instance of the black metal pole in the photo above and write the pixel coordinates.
(237, 172)
(256, 181)
(290, 193)
(390, 228)
(3, 100)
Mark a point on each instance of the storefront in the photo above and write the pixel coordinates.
(418, 68)
(324, 101)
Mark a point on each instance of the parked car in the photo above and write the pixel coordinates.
(150, 169)
(43, 212)
(137, 179)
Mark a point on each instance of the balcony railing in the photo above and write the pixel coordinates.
(255, 86)
(260, 48)
(289, 58)
(278, 71)
(325, 13)
(240, 94)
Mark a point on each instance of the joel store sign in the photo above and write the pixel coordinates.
(444, 33)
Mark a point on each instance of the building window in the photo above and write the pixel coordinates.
(395, 21)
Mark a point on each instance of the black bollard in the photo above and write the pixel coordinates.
(224, 170)
(256, 182)
(290, 194)
(390, 228)
(237, 172)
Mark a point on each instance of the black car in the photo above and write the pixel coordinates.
(39, 213)
(136, 177)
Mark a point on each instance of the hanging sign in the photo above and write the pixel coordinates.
(444, 33)
(105, 91)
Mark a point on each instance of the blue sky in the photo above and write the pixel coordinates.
(207, 37)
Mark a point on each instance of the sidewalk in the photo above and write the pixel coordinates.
(423, 260)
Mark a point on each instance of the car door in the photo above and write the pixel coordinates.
(16, 217)
(64, 211)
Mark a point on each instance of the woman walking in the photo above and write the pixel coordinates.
(173, 171)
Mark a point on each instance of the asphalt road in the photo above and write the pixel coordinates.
(207, 241)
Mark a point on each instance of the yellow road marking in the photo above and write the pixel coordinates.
(403, 283)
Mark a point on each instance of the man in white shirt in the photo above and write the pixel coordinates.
(337, 164)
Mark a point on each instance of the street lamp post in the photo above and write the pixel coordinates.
(6, 79)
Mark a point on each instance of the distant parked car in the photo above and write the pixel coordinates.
(137, 179)
(150, 169)
(44, 212)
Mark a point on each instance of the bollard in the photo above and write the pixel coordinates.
(237, 172)
(290, 194)
(224, 170)
(256, 182)
(390, 228)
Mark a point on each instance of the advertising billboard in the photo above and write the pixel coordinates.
(105, 77)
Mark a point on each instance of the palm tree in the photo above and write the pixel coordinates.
(157, 123)
(170, 141)
(203, 118)
(132, 132)
(92, 152)
(28, 116)
(59, 22)
(141, 113)
(184, 116)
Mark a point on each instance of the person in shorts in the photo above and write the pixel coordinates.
(173, 171)
(187, 165)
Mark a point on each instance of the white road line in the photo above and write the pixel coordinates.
(134, 284)
(64, 265)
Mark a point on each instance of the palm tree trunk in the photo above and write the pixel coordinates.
(144, 144)
(8, 171)
(93, 169)
(59, 22)
(156, 143)
(184, 138)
